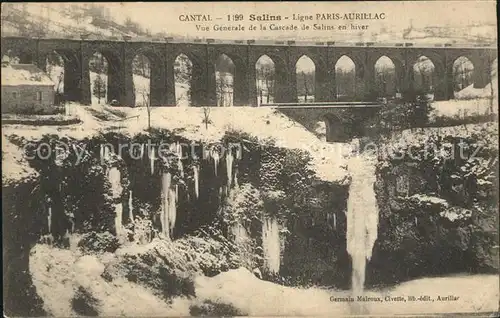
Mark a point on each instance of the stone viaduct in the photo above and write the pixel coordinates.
(120, 52)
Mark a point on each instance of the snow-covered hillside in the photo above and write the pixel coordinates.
(470, 100)
(61, 20)
(106, 20)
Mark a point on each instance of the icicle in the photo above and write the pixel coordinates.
(238, 153)
(118, 218)
(72, 221)
(114, 177)
(152, 161)
(172, 209)
(179, 150)
(169, 204)
(130, 206)
(181, 168)
(239, 234)
(196, 181)
(335, 221)
(215, 155)
(271, 244)
(106, 153)
(176, 193)
(207, 154)
(165, 187)
(49, 220)
(229, 167)
(236, 185)
(416, 221)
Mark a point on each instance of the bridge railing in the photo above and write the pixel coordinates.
(93, 36)
(325, 105)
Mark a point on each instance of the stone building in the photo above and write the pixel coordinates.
(26, 89)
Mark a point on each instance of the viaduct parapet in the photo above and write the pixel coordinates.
(120, 52)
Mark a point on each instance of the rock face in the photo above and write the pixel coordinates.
(73, 284)
(265, 209)
(438, 211)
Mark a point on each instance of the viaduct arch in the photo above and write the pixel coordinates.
(162, 53)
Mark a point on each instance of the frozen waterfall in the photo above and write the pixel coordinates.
(169, 204)
(114, 176)
(196, 176)
(362, 217)
(271, 244)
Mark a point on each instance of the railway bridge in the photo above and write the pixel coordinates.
(343, 120)
(120, 52)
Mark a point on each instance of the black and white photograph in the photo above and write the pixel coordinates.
(261, 159)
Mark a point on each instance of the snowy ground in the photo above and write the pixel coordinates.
(265, 123)
(58, 273)
(463, 108)
(476, 293)
(471, 101)
(14, 165)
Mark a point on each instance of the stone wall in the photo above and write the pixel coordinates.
(25, 99)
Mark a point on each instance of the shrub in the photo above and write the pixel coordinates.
(38, 110)
(409, 112)
(141, 230)
(39, 120)
(212, 309)
(98, 242)
(84, 303)
(100, 114)
(66, 166)
(119, 113)
(156, 272)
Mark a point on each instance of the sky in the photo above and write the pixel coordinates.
(399, 14)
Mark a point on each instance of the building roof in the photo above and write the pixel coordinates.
(24, 74)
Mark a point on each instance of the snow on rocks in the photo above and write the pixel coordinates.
(14, 164)
(456, 107)
(265, 123)
(241, 289)
(59, 274)
(429, 200)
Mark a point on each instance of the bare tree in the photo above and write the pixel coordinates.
(386, 78)
(206, 116)
(306, 87)
(99, 88)
(146, 101)
(345, 83)
(224, 83)
(265, 82)
(140, 66)
(183, 74)
(59, 81)
(424, 70)
(490, 64)
(269, 84)
(462, 71)
(223, 90)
